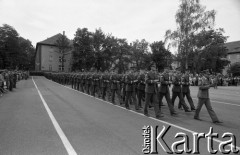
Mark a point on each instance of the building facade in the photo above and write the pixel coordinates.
(48, 57)
(233, 54)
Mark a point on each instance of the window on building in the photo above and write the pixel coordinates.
(50, 58)
(61, 68)
(50, 67)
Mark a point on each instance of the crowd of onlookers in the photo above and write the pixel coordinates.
(9, 79)
(217, 80)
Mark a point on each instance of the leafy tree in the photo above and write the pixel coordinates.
(235, 69)
(15, 51)
(83, 56)
(211, 52)
(121, 56)
(9, 47)
(27, 54)
(140, 54)
(63, 45)
(160, 55)
(191, 18)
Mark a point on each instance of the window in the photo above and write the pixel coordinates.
(50, 67)
(60, 67)
(50, 58)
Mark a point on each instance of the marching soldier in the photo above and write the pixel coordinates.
(186, 91)
(114, 82)
(141, 88)
(203, 98)
(164, 91)
(103, 80)
(151, 92)
(177, 91)
(130, 92)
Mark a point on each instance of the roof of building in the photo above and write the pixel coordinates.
(52, 40)
(233, 47)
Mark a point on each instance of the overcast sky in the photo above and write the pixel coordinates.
(37, 20)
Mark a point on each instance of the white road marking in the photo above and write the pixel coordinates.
(61, 134)
(176, 126)
(221, 102)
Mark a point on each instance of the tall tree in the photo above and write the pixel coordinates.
(27, 54)
(211, 52)
(122, 55)
(140, 53)
(191, 18)
(63, 45)
(83, 56)
(235, 69)
(160, 55)
(9, 47)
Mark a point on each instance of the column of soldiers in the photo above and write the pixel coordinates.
(132, 88)
(9, 78)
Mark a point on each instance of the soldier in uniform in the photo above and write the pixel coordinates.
(123, 87)
(164, 91)
(114, 82)
(203, 98)
(177, 91)
(130, 90)
(151, 91)
(141, 88)
(103, 80)
(186, 91)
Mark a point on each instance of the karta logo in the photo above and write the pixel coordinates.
(153, 139)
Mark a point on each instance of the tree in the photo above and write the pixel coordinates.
(63, 45)
(83, 56)
(15, 51)
(160, 55)
(235, 69)
(27, 54)
(9, 47)
(211, 52)
(140, 54)
(121, 56)
(191, 18)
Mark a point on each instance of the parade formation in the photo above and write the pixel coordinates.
(9, 79)
(136, 87)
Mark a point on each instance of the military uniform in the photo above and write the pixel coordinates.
(151, 92)
(141, 88)
(186, 92)
(177, 92)
(130, 91)
(203, 98)
(164, 91)
(114, 81)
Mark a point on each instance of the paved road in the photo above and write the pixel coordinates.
(43, 117)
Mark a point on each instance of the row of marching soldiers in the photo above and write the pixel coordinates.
(133, 88)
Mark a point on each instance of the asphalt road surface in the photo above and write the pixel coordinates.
(43, 117)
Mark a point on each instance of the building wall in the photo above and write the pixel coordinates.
(49, 59)
(37, 59)
(234, 57)
(68, 62)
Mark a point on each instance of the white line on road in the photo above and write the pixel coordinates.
(61, 134)
(176, 126)
(221, 102)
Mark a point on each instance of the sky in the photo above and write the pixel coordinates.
(38, 20)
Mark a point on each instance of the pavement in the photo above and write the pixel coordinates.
(42, 117)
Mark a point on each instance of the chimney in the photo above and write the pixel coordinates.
(64, 33)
